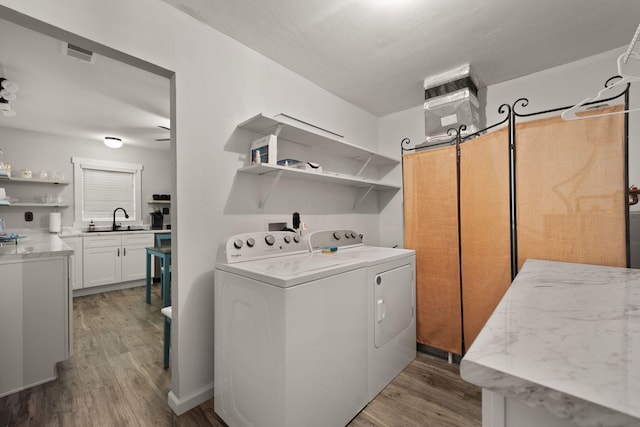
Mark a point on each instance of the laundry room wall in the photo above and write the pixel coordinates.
(218, 83)
(556, 87)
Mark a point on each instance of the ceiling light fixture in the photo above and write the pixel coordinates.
(112, 142)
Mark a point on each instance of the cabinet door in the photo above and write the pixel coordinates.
(34, 321)
(11, 327)
(75, 261)
(134, 251)
(102, 265)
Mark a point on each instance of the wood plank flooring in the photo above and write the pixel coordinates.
(116, 378)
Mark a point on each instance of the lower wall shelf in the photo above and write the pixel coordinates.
(37, 205)
(332, 178)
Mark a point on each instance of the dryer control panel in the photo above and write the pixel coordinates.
(334, 238)
(260, 244)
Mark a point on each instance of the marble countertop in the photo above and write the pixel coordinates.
(567, 337)
(40, 243)
(35, 244)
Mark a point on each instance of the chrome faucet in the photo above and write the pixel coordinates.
(126, 215)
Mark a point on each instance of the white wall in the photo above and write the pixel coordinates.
(219, 83)
(47, 152)
(555, 87)
(393, 128)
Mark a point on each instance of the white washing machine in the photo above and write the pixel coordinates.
(391, 302)
(290, 334)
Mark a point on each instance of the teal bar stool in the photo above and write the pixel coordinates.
(162, 250)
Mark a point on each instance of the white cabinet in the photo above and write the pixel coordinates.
(134, 256)
(115, 258)
(34, 321)
(75, 261)
(317, 139)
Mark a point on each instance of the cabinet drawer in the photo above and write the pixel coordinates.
(138, 239)
(102, 241)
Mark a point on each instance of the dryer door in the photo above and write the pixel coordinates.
(393, 303)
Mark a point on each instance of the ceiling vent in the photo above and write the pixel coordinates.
(78, 53)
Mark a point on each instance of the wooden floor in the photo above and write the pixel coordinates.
(116, 378)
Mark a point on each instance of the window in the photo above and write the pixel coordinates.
(102, 186)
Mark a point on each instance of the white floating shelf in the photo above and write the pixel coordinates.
(38, 205)
(315, 138)
(288, 172)
(33, 181)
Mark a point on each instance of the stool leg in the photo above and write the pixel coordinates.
(166, 287)
(148, 278)
(167, 341)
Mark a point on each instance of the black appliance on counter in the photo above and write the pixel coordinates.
(157, 219)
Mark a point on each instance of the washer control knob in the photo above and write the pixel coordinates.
(237, 243)
(353, 234)
(250, 242)
(287, 239)
(336, 235)
(347, 235)
(269, 239)
(296, 238)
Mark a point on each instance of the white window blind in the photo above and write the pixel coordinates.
(105, 190)
(101, 186)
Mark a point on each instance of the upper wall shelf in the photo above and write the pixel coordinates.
(33, 181)
(313, 137)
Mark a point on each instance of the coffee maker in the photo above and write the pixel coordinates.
(156, 220)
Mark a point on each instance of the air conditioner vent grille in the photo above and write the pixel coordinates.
(79, 53)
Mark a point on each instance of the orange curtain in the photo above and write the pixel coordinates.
(431, 228)
(571, 206)
(571, 203)
(485, 228)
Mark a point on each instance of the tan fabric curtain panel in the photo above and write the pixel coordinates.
(571, 203)
(485, 228)
(431, 228)
(570, 206)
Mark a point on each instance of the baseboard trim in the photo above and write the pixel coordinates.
(180, 406)
(107, 288)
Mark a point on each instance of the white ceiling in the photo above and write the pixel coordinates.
(64, 96)
(373, 54)
(376, 53)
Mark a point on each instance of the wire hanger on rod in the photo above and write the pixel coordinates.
(626, 64)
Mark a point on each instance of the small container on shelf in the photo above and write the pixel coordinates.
(264, 150)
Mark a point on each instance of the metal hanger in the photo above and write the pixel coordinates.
(626, 63)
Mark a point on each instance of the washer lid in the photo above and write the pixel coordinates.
(375, 255)
(291, 270)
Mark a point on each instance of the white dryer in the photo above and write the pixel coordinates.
(290, 334)
(391, 302)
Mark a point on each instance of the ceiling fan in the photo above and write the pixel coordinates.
(164, 139)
